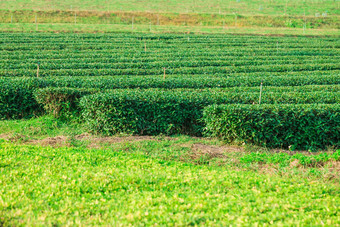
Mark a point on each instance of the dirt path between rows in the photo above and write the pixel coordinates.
(98, 142)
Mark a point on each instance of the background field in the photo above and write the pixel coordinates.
(247, 17)
(246, 7)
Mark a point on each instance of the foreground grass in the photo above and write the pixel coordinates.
(39, 128)
(49, 131)
(70, 185)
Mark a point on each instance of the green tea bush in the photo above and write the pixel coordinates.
(154, 111)
(148, 112)
(286, 126)
(61, 101)
(16, 99)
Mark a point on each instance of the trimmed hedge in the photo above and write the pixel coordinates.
(17, 94)
(144, 112)
(155, 111)
(17, 100)
(61, 101)
(283, 126)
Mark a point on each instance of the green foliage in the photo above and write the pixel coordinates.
(155, 111)
(284, 159)
(286, 126)
(16, 99)
(18, 93)
(61, 101)
(87, 186)
(143, 112)
(224, 55)
(200, 70)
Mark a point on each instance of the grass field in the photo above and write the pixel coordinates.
(158, 180)
(140, 28)
(268, 7)
(309, 17)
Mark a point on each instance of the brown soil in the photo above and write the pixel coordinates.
(93, 141)
(202, 153)
(4, 136)
(57, 141)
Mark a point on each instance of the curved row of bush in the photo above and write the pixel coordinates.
(17, 98)
(286, 126)
(160, 63)
(240, 82)
(227, 70)
(156, 111)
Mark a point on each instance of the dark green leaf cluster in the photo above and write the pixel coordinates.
(155, 111)
(17, 94)
(286, 126)
(61, 101)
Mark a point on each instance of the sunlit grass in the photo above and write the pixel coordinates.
(47, 186)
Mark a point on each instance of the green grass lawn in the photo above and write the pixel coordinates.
(80, 186)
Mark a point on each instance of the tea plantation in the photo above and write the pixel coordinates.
(151, 84)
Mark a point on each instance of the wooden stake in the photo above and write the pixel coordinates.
(260, 92)
(75, 17)
(145, 47)
(11, 19)
(164, 73)
(133, 18)
(36, 24)
(38, 69)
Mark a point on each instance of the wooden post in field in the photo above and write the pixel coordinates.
(36, 24)
(145, 47)
(11, 19)
(304, 21)
(286, 7)
(164, 73)
(38, 69)
(304, 28)
(75, 17)
(133, 18)
(260, 92)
